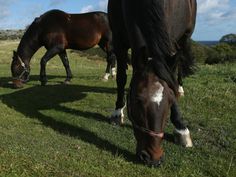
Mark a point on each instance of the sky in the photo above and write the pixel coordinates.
(215, 18)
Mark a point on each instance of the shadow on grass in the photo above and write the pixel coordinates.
(4, 81)
(30, 101)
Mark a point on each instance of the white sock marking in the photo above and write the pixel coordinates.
(181, 90)
(106, 76)
(119, 113)
(185, 134)
(113, 71)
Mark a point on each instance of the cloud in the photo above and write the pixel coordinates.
(53, 3)
(215, 11)
(87, 8)
(4, 9)
(103, 5)
(100, 6)
(205, 6)
(231, 14)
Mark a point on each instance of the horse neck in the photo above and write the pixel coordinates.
(27, 49)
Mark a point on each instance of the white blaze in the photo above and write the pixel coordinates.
(158, 95)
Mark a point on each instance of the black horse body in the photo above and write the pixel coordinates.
(58, 31)
(158, 32)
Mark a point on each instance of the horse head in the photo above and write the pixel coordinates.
(20, 71)
(149, 101)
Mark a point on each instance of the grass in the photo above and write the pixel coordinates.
(60, 130)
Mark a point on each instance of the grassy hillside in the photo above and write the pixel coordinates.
(60, 130)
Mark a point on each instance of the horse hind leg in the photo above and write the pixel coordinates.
(111, 59)
(65, 61)
(181, 132)
(186, 65)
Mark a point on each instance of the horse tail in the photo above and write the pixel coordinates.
(152, 23)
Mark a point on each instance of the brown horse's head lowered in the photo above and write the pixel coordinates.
(158, 33)
(57, 31)
(20, 71)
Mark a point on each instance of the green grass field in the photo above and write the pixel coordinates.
(63, 130)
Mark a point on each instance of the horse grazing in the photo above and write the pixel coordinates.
(158, 33)
(58, 31)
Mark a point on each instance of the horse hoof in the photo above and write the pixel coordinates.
(183, 138)
(117, 120)
(43, 83)
(104, 79)
(66, 82)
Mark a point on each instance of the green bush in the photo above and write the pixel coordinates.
(199, 52)
(221, 53)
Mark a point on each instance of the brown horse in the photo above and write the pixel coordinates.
(158, 32)
(58, 31)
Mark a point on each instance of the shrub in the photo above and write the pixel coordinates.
(221, 53)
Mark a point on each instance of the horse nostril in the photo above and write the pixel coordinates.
(157, 163)
(144, 156)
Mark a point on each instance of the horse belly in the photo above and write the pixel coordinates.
(84, 41)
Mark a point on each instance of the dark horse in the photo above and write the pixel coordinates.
(158, 32)
(58, 31)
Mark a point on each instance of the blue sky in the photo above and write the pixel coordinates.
(215, 17)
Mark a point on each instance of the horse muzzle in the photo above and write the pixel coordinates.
(17, 83)
(146, 158)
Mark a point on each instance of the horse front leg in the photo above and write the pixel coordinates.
(117, 116)
(65, 61)
(47, 56)
(181, 132)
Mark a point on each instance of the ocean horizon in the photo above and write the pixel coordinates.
(208, 43)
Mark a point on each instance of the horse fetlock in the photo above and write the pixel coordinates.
(183, 137)
(43, 80)
(117, 120)
(113, 72)
(66, 82)
(117, 117)
(181, 91)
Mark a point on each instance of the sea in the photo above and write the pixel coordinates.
(208, 43)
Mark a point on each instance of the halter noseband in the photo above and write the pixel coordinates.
(25, 70)
(147, 131)
(142, 129)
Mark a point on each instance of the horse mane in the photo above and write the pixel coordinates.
(153, 25)
(154, 28)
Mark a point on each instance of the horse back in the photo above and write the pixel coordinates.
(76, 31)
(87, 30)
(180, 17)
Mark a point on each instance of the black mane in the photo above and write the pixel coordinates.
(153, 25)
